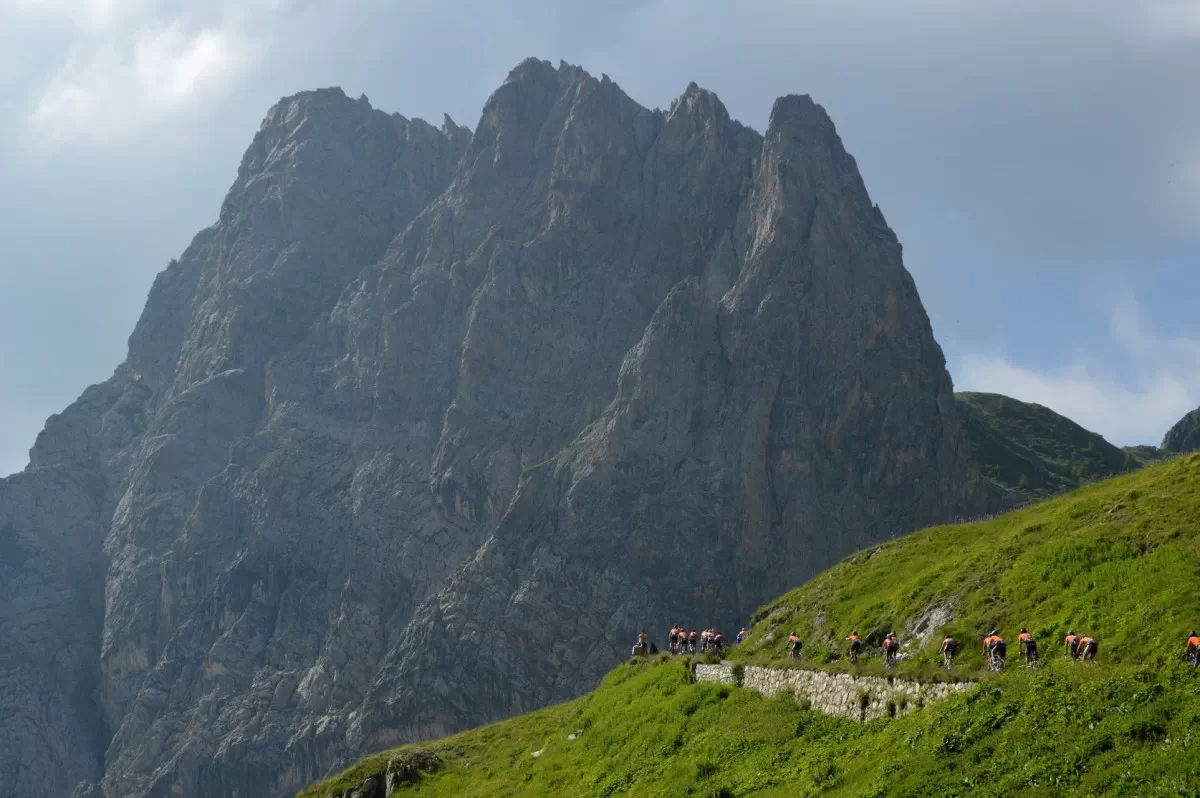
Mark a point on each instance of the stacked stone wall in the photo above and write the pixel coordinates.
(861, 698)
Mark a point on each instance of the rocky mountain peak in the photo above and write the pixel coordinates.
(1184, 436)
(421, 428)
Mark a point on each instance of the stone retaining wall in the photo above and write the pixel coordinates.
(861, 698)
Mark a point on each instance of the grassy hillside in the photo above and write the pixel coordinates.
(1030, 449)
(1118, 559)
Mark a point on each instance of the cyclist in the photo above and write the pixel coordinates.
(891, 645)
(794, 646)
(693, 639)
(1072, 643)
(1192, 651)
(855, 645)
(1087, 648)
(1028, 647)
(995, 649)
(949, 648)
(674, 639)
(741, 635)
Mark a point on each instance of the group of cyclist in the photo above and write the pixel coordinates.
(684, 641)
(1081, 648)
(994, 648)
(890, 646)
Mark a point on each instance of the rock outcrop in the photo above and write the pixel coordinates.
(1184, 437)
(431, 421)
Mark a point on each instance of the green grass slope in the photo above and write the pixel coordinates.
(1033, 451)
(1119, 559)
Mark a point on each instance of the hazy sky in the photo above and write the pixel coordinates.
(1040, 161)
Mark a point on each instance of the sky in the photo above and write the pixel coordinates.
(1040, 161)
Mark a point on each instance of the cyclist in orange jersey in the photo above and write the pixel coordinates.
(1072, 643)
(1027, 646)
(793, 646)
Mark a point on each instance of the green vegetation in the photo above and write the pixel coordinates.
(1034, 451)
(1147, 454)
(1118, 560)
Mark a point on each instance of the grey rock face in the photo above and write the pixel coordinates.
(1184, 436)
(430, 422)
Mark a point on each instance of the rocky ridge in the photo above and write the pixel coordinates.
(1184, 437)
(1033, 452)
(431, 419)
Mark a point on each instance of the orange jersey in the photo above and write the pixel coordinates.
(1083, 641)
(1193, 642)
(1025, 637)
(1070, 639)
(853, 638)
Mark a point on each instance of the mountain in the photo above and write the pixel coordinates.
(1147, 454)
(1184, 436)
(1116, 560)
(1034, 452)
(430, 419)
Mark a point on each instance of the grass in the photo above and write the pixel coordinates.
(1119, 560)
(1034, 451)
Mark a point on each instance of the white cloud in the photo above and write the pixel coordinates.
(1133, 397)
(113, 90)
(88, 15)
(128, 64)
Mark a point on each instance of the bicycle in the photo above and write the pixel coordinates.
(889, 658)
(854, 656)
(948, 659)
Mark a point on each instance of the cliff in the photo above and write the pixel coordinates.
(429, 420)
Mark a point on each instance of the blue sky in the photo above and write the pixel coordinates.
(1039, 161)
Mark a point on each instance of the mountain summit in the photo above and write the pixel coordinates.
(431, 421)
